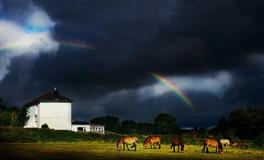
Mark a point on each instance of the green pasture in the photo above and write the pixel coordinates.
(100, 150)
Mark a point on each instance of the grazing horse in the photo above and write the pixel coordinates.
(152, 140)
(125, 141)
(213, 142)
(177, 141)
(239, 144)
(225, 142)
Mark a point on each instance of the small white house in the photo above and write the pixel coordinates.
(87, 127)
(55, 110)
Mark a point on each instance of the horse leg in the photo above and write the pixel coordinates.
(216, 150)
(203, 148)
(154, 146)
(207, 151)
(178, 148)
(127, 147)
(135, 146)
(173, 146)
(124, 147)
(159, 145)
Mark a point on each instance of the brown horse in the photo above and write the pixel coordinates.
(239, 144)
(127, 140)
(177, 141)
(213, 142)
(152, 140)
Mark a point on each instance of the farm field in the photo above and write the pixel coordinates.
(99, 150)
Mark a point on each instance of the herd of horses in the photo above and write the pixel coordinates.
(154, 141)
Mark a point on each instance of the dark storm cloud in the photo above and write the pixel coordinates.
(129, 105)
(247, 88)
(133, 38)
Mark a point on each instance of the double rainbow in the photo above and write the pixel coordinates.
(174, 88)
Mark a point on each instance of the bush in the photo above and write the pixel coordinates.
(44, 126)
(259, 141)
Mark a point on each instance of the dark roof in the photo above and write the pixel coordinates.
(52, 96)
(79, 122)
(82, 123)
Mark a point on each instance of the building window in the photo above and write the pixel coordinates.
(80, 129)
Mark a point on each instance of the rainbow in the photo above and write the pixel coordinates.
(76, 44)
(173, 87)
(63, 43)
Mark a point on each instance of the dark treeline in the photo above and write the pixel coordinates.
(246, 123)
(163, 124)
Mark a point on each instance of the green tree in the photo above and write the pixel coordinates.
(165, 124)
(9, 116)
(222, 126)
(129, 126)
(111, 123)
(145, 128)
(14, 116)
(247, 123)
(22, 116)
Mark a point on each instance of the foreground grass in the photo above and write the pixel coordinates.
(106, 151)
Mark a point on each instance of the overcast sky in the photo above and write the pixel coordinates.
(101, 53)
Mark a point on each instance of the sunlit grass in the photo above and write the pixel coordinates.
(104, 150)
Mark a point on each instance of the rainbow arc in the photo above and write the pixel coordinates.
(174, 88)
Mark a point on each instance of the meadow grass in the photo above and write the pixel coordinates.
(100, 150)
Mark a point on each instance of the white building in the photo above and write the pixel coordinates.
(87, 127)
(55, 111)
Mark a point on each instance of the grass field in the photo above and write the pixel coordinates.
(105, 151)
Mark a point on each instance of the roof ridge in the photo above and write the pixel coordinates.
(48, 96)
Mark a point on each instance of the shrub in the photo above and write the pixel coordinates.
(44, 126)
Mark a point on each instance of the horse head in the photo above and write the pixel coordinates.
(119, 143)
(146, 142)
(182, 147)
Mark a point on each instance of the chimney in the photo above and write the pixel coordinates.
(55, 91)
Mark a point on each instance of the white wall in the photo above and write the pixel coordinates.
(97, 129)
(75, 126)
(32, 113)
(57, 115)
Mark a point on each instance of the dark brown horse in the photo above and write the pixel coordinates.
(239, 144)
(125, 141)
(177, 141)
(213, 142)
(152, 140)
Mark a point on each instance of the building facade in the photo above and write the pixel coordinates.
(55, 110)
(51, 109)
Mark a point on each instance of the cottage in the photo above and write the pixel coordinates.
(87, 127)
(55, 110)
